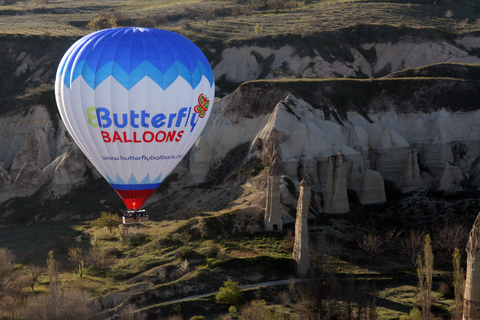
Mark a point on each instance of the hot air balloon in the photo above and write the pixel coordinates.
(134, 100)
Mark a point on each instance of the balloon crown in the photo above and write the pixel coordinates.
(131, 54)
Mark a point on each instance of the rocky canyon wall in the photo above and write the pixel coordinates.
(348, 134)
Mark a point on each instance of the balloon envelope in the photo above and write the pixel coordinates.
(134, 100)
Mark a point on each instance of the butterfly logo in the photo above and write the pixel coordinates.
(202, 106)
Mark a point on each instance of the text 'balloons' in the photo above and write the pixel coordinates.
(134, 100)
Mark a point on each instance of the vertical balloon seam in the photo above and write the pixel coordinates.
(156, 35)
(100, 147)
(140, 178)
(71, 122)
(128, 166)
(121, 169)
(176, 40)
(74, 122)
(98, 36)
(147, 88)
(113, 176)
(164, 171)
(83, 83)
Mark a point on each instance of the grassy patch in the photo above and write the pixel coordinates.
(57, 18)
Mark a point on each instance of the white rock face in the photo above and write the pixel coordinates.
(240, 64)
(35, 148)
(29, 178)
(15, 130)
(34, 153)
(388, 146)
(451, 179)
(67, 170)
(409, 53)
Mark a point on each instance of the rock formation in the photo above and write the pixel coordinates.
(300, 248)
(5, 179)
(306, 122)
(411, 178)
(471, 297)
(451, 180)
(250, 62)
(29, 178)
(335, 190)
(273, 210)
(35, 148)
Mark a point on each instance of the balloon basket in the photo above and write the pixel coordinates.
(135, 216)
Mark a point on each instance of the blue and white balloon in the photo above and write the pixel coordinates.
(134, 100)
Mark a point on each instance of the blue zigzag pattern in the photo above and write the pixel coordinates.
(131, 54)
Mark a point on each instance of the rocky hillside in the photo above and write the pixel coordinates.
(412, 133)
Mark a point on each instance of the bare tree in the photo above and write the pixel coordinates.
(207, 13)
(185, 237)
(34, 273)
(101, 260)
(62, 304)
(448, 239)
(201, 227)
(128, 313)
(77, 258)
(276, 4)
(7, 260)
(412, 245)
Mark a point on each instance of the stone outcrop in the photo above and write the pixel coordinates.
(250, 62)
(300, 248)
(335, 189)
(29, 178)
(411, 178)
(471, 297)
(249, 219)
(68, 170)
(273, 210)
(369, 187)
(451, 180)
(304, 122)
(34, 153)
(5, 180)
(35, 148)
(412, 150)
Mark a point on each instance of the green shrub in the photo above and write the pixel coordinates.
(230, 293)
(197, 318)
(139, 239)
(108, 220)
(211, 251)
(415, 314)
(258, 309)
(185, 253)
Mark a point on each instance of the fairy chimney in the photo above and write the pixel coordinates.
(273, 216)
(300, 248)
(336, 198)
(411, 178)
(471, 301)
(271, 149)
